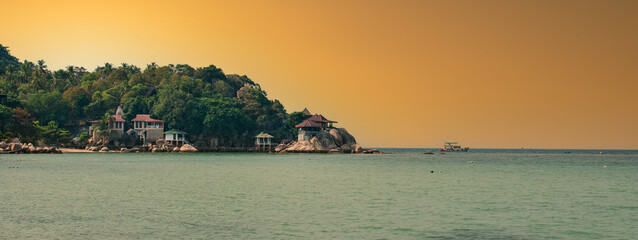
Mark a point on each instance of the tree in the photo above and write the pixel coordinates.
(52, 134)
(48, 106)
(210, 74)
(24, 126)
(6, 59)
(294, 119)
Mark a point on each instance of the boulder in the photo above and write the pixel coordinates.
(346, 148)
(13, 146)
(16, 140)
(358, 149)
(334, 150)
(104, 149)
(336, 136)
(346, 137)
(3, 144)
(156, 149)
(130, 138)
(125, 150)
(176, 149)
(188, 148)
(135, 149)
(323, 141)
(95, 149)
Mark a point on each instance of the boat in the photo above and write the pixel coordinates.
(453, 147)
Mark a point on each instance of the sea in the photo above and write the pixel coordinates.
(404, 194)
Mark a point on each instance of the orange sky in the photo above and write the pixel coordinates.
(493, 74)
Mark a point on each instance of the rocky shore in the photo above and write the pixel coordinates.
(335, 140)
(16, 146)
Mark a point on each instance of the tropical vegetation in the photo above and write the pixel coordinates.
(39, 104)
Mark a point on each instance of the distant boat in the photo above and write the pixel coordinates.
(428, 152)
(453, 147)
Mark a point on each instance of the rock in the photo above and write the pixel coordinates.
(3, 144)
(358, 149)
(16, 140)
(176, 149)
(346, 148)
(130, 138)
(187, 148)
(135, 149)
(334, 150)
(13, 146)
(155, 149)
(125, 150)
(159, 142)
(336, 136)
(346, 137)
(95, 149)
(104, 149)
(323, 141)
(75, 140)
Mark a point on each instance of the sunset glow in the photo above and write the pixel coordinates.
(488, 74)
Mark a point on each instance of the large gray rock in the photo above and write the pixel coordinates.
(104, 149)
(346, 148)
(188, 148)
(336, 136)
(3, 144)
(323, 141)
(346, 137)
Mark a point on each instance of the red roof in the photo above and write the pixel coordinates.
(320, 118)
(307, 123)
(305, 111)
(144, 118)
(118, 118)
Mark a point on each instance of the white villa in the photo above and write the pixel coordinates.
(264, 141)
(175, 137)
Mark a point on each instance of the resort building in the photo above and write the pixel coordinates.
(175, 137)
(116, 125)
(264, 141)
(148, 129)
(312, 125)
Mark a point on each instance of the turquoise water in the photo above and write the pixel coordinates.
(503, 194)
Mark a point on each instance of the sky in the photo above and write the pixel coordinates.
(488, 74)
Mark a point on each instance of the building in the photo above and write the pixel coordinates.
(264, 141)
(175, 137)
(312, 125)
(116, 125)
(148, 129)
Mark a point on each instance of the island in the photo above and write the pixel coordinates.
(171, 108)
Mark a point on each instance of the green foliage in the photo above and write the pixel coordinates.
(52, 134)
(6, 59)
(84, 137)
(294, 119)
(23, 126)
(48, 106)
(195, 100)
